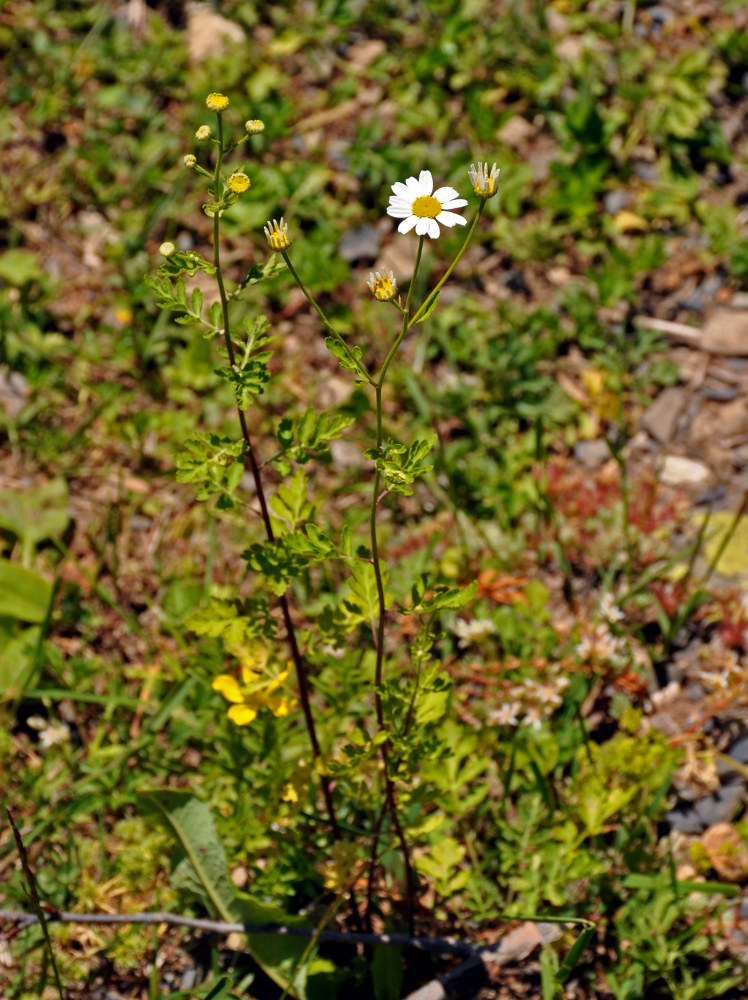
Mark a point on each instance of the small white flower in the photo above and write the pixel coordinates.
(49, 733)
(469, 632)
(609, 609)
(548, 694)
(485, 182)
(422, 208)
(506, 715)
(533, 718)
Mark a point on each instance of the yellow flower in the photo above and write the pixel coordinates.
(254, 126)
(167, 249)
(190, 160)
(276, 233)
(382, 285)
(254, 693)
(239, 182)
(485, 183)
(216, 102)
(204, 132)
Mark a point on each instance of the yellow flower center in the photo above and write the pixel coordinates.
(383, 289)
(278, 240)
(426, 207)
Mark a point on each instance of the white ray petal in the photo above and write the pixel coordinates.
(407, 224)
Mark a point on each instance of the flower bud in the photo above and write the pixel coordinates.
(190, 160)
(167, 249)
(203, 133)
(255, 126)
(216, 102)
(383, 285)
(485, 184)
(276, 233)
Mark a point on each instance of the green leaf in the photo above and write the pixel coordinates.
(236, 622)
(23, 594)
(338, 351)
(201, 871)
(20, 267)
(185, 262)
(17, 662)
(35, 514)
(274, 266)
(290, 503)
(445, 598)
(400, 466)
(386, 970)
(213, 463)
(432, 306)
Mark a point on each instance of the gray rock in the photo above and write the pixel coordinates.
(719, 807)
(661, 416)
(592, 454)
(362, 243)
(614, 201)
(720, 393)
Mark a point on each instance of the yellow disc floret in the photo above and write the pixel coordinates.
(216, 102)
(426, 207)
(239, 182)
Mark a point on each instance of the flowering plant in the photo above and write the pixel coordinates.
(366, 767)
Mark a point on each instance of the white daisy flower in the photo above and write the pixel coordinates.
(507, 715)
(473, 631)
(422, 208)
(534, 718)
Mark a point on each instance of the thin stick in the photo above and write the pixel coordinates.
(35, 901)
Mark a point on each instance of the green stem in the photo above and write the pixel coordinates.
(251, 461)
(379, 639)
(359, 368)
(432, 295)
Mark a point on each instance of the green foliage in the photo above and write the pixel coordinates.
(400, 465)
(215, 464)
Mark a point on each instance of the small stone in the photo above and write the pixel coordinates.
(720, 393)
(614, 201)
(661, 416)
(680, 471)
(362, 244)
(720, 806)
(592, 454)
(240, 876)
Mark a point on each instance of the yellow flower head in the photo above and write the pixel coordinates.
(166, 249)
(204, 132)
(485, 183)
(190, 160)
(254, 126)
(382, 285)
(239, 182)
(276, 233)
(216, 102)
(256, 691)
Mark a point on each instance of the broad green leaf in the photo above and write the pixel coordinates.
(201, 871)
(35, 514)
(23, 593)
